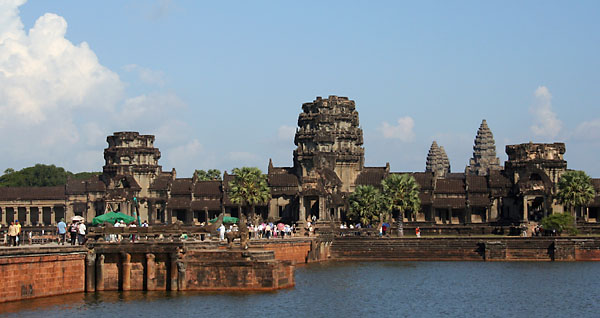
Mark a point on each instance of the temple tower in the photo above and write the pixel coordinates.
(130, 154)
(484, 153)
(329, 139)
(437, 161)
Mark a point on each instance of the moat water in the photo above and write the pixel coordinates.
(357, 289)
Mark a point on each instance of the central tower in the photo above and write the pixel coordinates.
(329, 144)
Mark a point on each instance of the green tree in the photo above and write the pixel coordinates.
(210, 175)
(40, 176)
(575, 190)
(559, 222)
(401, 193)
(366, 203)
(249, 187)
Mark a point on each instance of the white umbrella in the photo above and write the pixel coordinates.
(77, 218)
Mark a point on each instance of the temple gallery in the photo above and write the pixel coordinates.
(328, 164)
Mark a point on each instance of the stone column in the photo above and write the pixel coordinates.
(126, 271)
(173, 257)
(151, 211)
(90, 272)
(524, 215)
(302, 211)
(181, 276)
(150, 271)
(322, 208)
(189, 216)
(52, 216)
(3, 215)
(169, 216)
(100, 273)
(27, 216)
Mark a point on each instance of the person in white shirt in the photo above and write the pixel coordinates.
(81, 233)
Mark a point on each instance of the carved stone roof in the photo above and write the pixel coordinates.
(32, 193)
(210, 204)
(450, 186)
(479, 199)
(181, 186)
(484, 152)
(437, 161)
(208, 188)
(161, 183)
(477, 183)
(371, 176)
(453, 203)
(93, 184)
(282, 180)
(179, 203)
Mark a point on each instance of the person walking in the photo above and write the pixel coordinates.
(12, 234)
(73, 232)
(222, 232)
(81, 233)
(18, 226)
(61, 227)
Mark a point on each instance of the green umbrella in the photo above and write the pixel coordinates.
(226, 219)
(112, 217)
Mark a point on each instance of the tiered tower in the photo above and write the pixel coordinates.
(484, 152)
(437, 161)
(132, 154)
(329, 139)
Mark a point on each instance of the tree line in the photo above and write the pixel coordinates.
(41, 175)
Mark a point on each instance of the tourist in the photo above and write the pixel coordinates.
(133, 236)
(81, 229)
(62, 231)
(73, 232)
(145, 224)
(268, 231)
(18, 226)
(12, 234)
(222, 232)
(418, 231)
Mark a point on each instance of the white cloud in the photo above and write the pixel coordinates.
(286, 133)
(588, 130)
(58, 103)
(404, 130)
(545, 120)
(147, 75)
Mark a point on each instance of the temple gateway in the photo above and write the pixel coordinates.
(328, 163)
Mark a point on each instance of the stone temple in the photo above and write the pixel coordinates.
(328, 163)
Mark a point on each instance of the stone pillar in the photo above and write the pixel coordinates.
(468, 215)
(449, 216)
(90, 272)
(53, 216)
(322, 208)
(150, 271)
(181, 276)
(524, 215)
(169, 219)
(3, 215)
(151, 212)
(174, 272)
(126, 271)
(27, 216)
(189, 216)
(302, 211)
(100, 273)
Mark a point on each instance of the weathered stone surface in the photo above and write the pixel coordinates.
(437, 161)
(484, 152)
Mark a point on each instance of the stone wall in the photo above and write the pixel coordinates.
(286, 250)
(30, 273)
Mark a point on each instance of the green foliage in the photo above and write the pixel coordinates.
(40, 176)
(575, 189)
(366, 202)
(249, 187)
(559, 222)
(210, 175)
(401, 193)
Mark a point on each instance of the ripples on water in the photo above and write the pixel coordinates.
(357, 289)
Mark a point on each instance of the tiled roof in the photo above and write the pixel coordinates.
(424, 180)
(498, 180)
(129, 179)
(282, 180)
(179, 203)
(454, 203)
(426, 198)
(208, 188)
(456, 186)
(181, 186)
(93, 184)
(596, 183)
(479, 199)
(32, 193)
(371, 176)
(477, 183)
(161, 183)
(209, 204)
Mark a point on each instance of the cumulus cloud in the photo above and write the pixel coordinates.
(59, 103)
(545, 120)
(402, 131)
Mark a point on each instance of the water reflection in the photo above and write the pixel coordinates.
(384, 289)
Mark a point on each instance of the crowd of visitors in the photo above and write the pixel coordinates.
(265, 230)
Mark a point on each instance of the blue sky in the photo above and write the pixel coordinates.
(221, 83)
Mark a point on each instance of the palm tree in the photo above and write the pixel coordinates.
(575, 189)
(249, 186)
(401, 193)
(366, 203)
